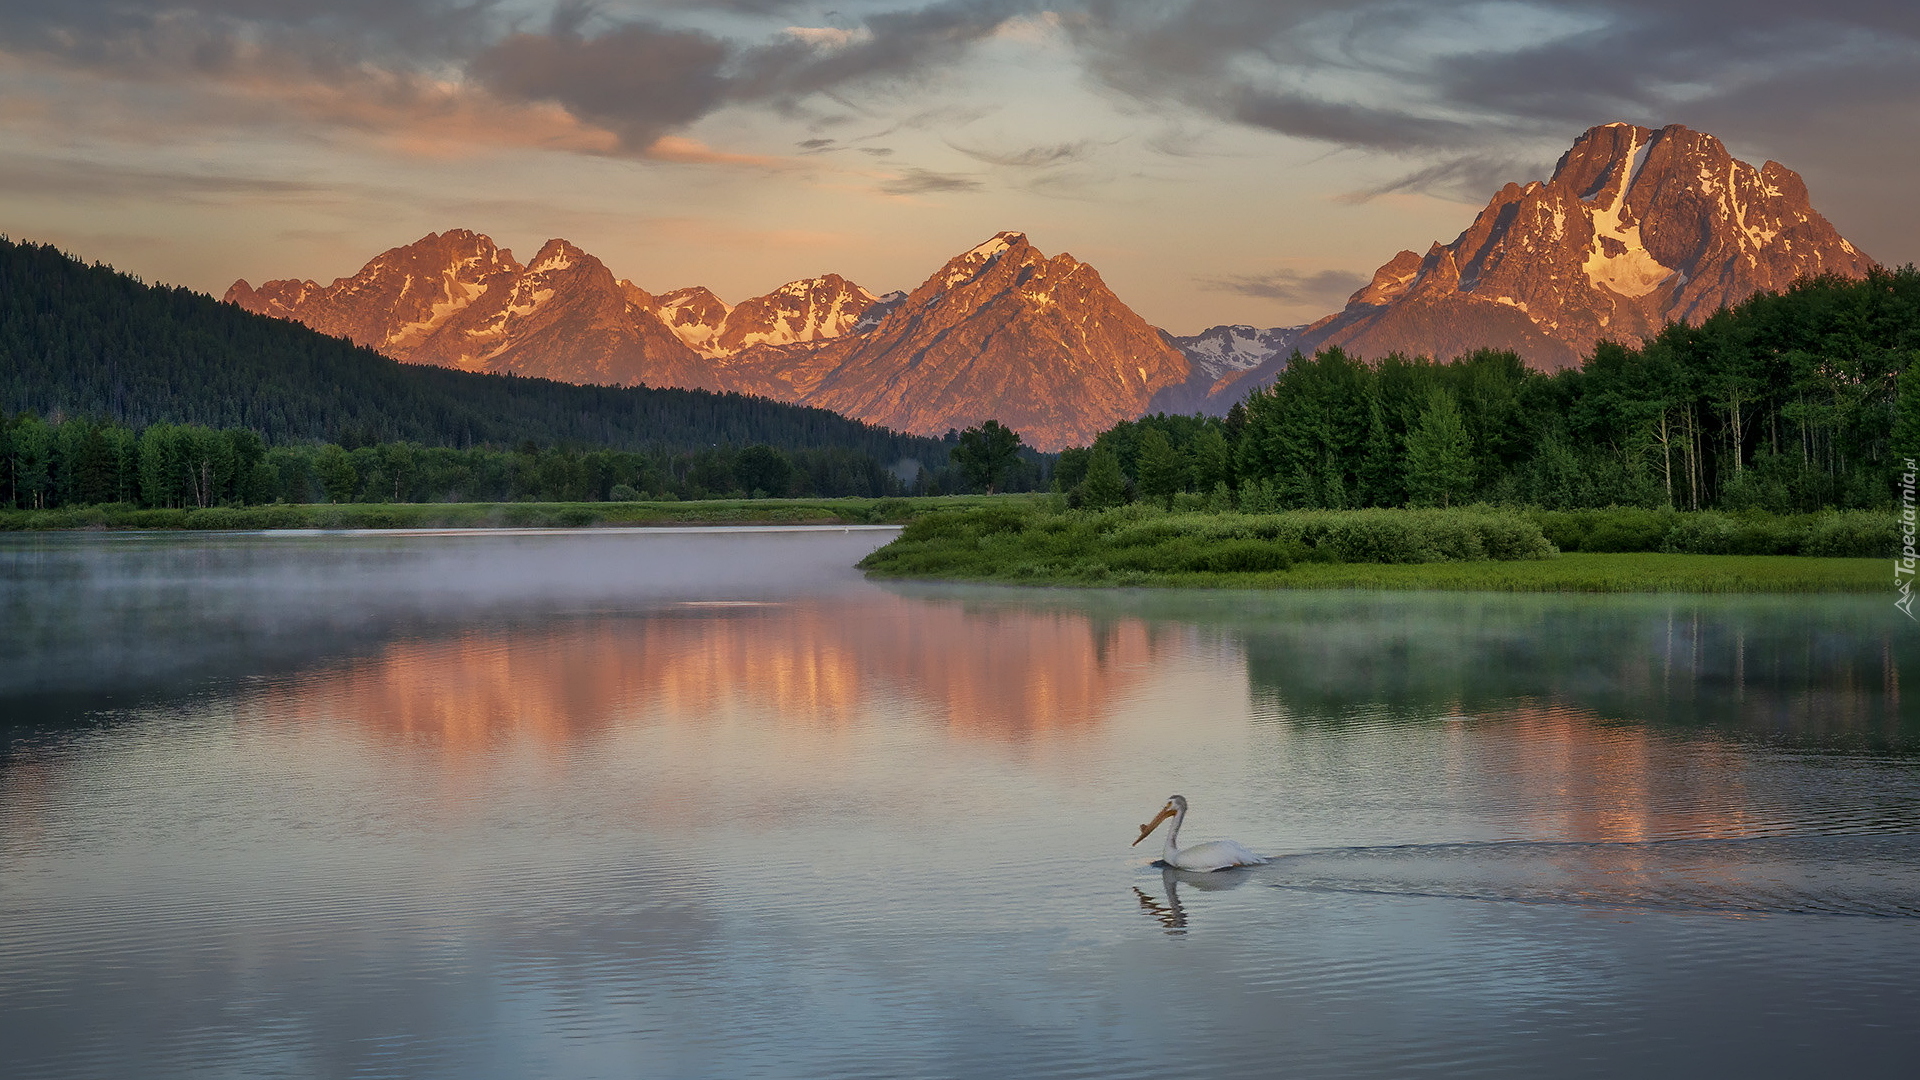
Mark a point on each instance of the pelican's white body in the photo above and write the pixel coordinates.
(1212, 855)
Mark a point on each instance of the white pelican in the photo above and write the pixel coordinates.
(1212, 855)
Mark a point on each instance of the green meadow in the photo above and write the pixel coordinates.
(1463, 549)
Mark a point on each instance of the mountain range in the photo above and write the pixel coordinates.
(85, 341)
(1002, 331)
(1635, 228)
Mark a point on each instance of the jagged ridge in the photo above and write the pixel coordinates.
(1635, 229)
(1001, 332)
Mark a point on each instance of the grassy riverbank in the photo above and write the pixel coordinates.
(1645, 572)
(1474, 549)
(848, 511)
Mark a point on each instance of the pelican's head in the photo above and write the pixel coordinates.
(1176, 805)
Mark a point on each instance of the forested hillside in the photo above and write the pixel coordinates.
(81, 462)
(1799, 401)
(87, 341)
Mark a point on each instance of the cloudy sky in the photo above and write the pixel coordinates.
(1218, 160)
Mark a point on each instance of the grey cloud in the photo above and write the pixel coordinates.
(61, 178)
(643, 80)
(155, 38)
(1290, 286)
(1462, 179)
(1341, 122)
(924, 181)
(895, 44)
(1032, 157)
(638, 80)
(1363, 73)
(745, 7)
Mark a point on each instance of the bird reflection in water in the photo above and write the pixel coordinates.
(1171, 913)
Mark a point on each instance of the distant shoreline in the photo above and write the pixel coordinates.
(1568, 572)
(524, 515)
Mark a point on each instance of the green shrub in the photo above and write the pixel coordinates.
(1124, 543)
(1629, 528)
(1245, 556)
(1856, 535)
(890, 510)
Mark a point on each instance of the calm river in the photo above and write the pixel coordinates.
(706, 803)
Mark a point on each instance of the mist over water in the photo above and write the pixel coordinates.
(707, 803)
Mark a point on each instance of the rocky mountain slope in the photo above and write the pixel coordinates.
(1001, 332)
(1635, 228)
(456, 300)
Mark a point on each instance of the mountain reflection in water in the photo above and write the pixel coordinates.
(815, 663)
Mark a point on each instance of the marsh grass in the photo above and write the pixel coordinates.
(1830, 534)
(1137, 545)
(1467, 549)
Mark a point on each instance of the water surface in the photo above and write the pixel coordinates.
(708, 804)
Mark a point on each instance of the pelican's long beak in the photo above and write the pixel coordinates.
(1165, 813)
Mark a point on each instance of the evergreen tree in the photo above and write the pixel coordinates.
(1259, 497)
(1906, 431)
(1105, 485)
(987, 453)
(336, 474)
(33, 447)
(1212, 459)
(1071, 468)
(763, 471)
(1439, 454)
(1163, 471)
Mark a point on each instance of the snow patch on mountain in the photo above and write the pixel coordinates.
(1222, 350)
(972, 262)
(1618, 258)
(878, 310)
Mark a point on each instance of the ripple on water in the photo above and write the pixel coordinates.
(1829, 873)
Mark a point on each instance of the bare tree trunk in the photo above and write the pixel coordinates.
(1693, 462)
(1666, 455)
(1739, 434)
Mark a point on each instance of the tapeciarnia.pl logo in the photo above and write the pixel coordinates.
(1903, 566)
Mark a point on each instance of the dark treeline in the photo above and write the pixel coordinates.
(79, 340)
(1793, 402)
(79, 462)
(48, 465)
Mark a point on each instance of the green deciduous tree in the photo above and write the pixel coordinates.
(1163, 469)
(1105, 485)
(1439, 453)
(336, 474)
